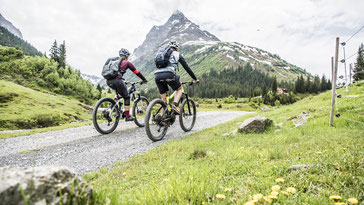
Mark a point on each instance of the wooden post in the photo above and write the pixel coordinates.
(334, 76)
(346, 77)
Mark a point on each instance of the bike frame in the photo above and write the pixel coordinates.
(132, 92)
(170, 100)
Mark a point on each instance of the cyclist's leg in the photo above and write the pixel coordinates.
(122, 90)
(124, 93)
(177, 86)
(162, 86)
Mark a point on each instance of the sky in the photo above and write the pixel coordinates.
(303, 32)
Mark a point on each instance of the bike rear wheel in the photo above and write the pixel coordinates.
(187, 118)
(139, 110)
(105, 116)
(155, 122)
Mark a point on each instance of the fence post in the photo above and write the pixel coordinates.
(334, 76)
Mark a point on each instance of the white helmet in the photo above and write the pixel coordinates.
(173, 44)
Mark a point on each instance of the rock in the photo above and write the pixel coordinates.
(265, 108)
(299, 167)
(42, 185)
(234, 132)
(239, 106)
(301, 119)
(255, 124)
(225, 134)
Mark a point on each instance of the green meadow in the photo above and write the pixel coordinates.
(213, 167)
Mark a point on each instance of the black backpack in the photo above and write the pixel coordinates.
(111, 68)
(162, 58)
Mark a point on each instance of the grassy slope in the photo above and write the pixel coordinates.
(196, 168)
(21, 107)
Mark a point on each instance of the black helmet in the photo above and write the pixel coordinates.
(173, 44)
(124, 52)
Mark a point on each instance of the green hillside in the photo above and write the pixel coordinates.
(210, 167)
(25, 108)
(44, 74)
(9, 39)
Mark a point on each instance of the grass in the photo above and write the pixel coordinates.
(209, 168)
(25, 108)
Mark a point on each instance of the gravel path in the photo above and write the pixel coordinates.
(83, 149)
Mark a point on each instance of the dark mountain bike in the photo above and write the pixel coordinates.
(107, 111)
(159, 115)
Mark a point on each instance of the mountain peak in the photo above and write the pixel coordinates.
(178, 27)
(176, 16)
(10, 27)
(177, 13)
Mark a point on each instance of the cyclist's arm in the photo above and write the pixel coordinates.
(135, 71)
(186, 67)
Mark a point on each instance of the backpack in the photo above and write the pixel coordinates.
(111, 68)
(162, 58)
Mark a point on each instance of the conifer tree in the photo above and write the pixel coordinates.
(323, 83)
(308, 85)
(274, 85)
(54, 51)
(62, 55)
(359, 65)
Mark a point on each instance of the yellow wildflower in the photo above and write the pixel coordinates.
(339, 203)
(252, 202)
(276, 188)
(227, 189)
(353, 200)
(291, 190)
(284, 192)
(258, 196)
(279, 180)
(220, 196)
(336, 197)
(267, 199)
(273, 197)
(274, 193)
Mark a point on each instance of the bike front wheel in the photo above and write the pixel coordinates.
(156, 124)
(187, 118)
(139, 110)
(105, 116)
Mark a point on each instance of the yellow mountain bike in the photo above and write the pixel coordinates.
(159, 115)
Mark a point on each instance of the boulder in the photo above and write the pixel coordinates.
(265, 108)
(255, 124)
(300, 119)
(42, 185)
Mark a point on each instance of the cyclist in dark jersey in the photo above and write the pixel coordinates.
(169, 73)
(118, 83)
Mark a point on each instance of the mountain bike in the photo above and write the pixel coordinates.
(107, 111)
(159, 115)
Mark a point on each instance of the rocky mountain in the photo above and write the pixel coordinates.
(95, 80)
(204, 51)
(10, 27)
(179, 28)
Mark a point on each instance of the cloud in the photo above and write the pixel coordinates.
(302, 32)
